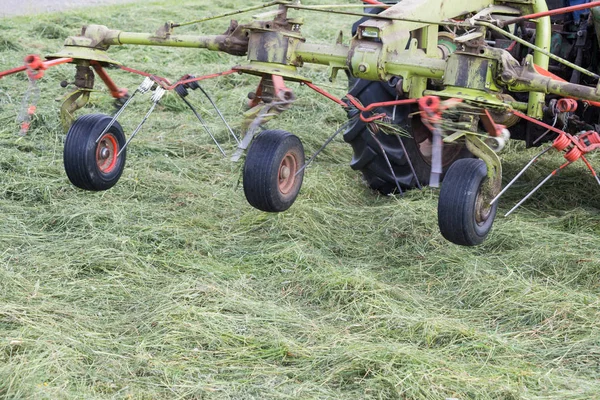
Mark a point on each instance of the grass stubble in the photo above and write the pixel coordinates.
(171, 286)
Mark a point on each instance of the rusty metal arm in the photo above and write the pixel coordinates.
(215, 43)
(95, 40)
(525, 78)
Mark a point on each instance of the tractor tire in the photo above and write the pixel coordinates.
(401, 151)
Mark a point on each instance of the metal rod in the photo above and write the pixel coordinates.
(203, 123)
(329, 140)
(158, 94)
(374, 16)
(410, 164)
(538, 186)
(40, 67)
(387, 160)
(558, 11)
(374, 2)
(144, 87)
(22, 68)
(228, 14)
(380, 5)
(116, 116)
(538, 49)
(137, 129)
(547, 131)
(530, 193)
(529, 164)
(220, 114)
(592, 170)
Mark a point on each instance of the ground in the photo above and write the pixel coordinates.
(21, 7)
(170, 285)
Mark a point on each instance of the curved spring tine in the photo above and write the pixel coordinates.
(144, 87)
(329, 140)
(537, 188)
(529, 194)
(387, 160)
(534, 159)
(220, 114)
(203, 123)
(410, 164)
(158, 94)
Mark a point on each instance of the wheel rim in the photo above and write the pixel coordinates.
(106, 153)
(287, 173)
(483, 208)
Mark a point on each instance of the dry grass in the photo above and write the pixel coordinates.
(171, 286)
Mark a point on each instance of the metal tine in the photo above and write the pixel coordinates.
(158, 94)
(389, 164)
(329, 140)
(529, 164)
(537, 188)
(547, 132)
(220, 114)
(592, 170)
(203, 123)
(597, 179)
(144, 87)
(410, 164)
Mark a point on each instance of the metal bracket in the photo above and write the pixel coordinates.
(494, 166)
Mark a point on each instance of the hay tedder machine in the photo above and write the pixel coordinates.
(436, 89)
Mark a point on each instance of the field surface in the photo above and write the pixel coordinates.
(21, 7)
(171, 286)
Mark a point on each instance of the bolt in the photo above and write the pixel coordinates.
(506, 77)
(104, 153)
(363, 67)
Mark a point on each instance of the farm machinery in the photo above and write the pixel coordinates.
(437, 87)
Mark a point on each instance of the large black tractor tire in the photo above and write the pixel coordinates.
(91, 161)
(401, 151)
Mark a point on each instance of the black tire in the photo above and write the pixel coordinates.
(271, 182)
(368, 155)
(464, 215)
(90, 165)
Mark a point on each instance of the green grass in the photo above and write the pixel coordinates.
(171, 286)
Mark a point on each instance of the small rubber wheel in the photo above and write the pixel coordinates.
(92, 164)
(271, 178)
(465, 216)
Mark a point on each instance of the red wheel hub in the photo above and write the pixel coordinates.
(106, 153)
(287, 173)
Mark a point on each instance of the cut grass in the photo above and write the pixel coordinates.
(170, 286)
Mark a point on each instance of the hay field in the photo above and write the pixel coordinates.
(170, 286)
